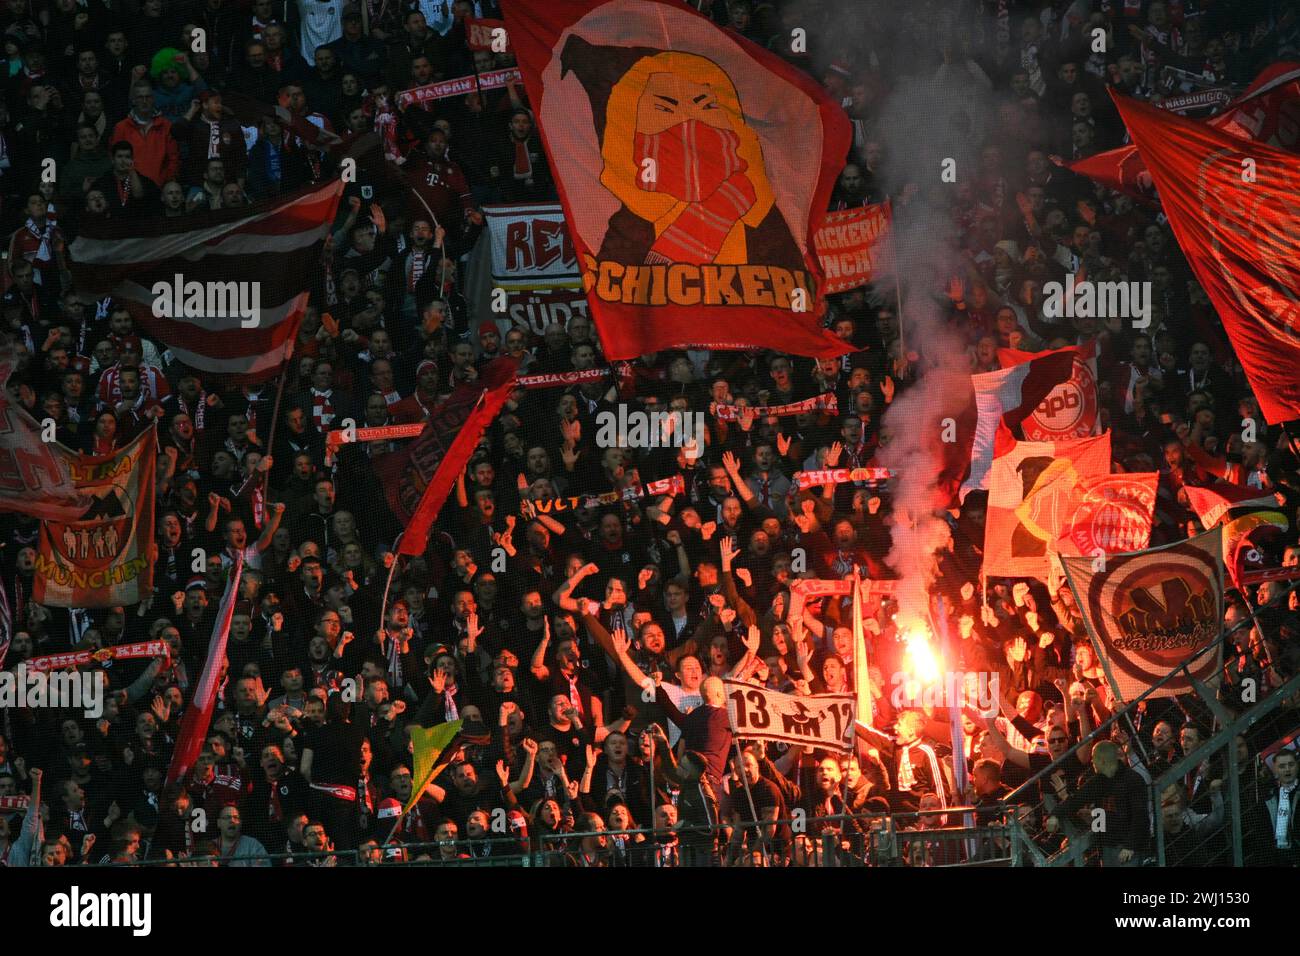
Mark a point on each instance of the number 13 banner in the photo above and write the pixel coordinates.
(822, 721)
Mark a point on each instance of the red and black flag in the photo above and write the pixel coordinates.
(694, 168)
(418, 478)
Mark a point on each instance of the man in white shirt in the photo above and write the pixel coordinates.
(1281, 812)
(321, 23)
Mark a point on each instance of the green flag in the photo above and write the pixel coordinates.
(427, 744)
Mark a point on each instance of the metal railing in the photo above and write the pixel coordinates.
(947, 837)
(1073, 845)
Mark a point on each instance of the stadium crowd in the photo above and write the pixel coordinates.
(542, 630)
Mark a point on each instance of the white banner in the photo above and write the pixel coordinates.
(822, 721)
(531, 248)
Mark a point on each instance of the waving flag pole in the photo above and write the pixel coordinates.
(198, 715)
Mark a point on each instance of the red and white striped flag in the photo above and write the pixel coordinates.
(225, 290)
(198, 715)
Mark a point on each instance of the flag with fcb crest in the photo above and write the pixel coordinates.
(1070, 409)
(100, 558)
(1234, 206)
(1148, 612)
(694, 168)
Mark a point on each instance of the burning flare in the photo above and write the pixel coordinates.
(920, 662)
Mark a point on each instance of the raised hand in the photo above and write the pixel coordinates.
(752, 639)
(782, 444)
(833, 455)
(732, 464)
(503, 773)
(707, 529)
(1017, 650)
(729, 551)
(161, 708)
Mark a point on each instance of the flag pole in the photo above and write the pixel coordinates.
(383, 605)
(898, 281)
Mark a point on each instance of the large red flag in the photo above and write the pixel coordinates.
(198, 715)
(1234, 206)
(1269, 112)
(35, 476)
(415, 482)
(416, 536)
(694, 168)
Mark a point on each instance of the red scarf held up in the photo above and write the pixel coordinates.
(701, 165)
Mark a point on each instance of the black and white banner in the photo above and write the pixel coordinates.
(822, 721)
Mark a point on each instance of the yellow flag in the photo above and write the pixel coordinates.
(427, 744)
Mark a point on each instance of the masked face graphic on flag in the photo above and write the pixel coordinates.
(682, 161)
(685, 148)
(694, 170)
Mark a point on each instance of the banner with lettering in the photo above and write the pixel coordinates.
(1149, 611)
(852, 245)
(482, 34)
(531, 248)
(673, 486)
(101, 558)
(826, 402)
(820, 721)
(141, 650)
(460, 86)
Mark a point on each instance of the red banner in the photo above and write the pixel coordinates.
(851, 245)
(479, 35)
(826, 402)
(1232, 206)
(694, 168)
(339, 437)
(34, 477)
(101, 558)
(142, 650)
(414, 479)
(198, 714)
(553, 379)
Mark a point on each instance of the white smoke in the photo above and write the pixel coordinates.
(923, 125)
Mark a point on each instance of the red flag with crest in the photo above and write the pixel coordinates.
(1234, 206)
(1268, 112)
